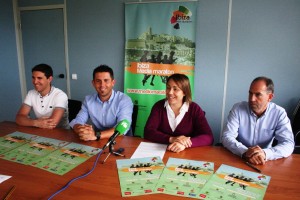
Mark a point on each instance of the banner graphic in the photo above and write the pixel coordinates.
(160, 41)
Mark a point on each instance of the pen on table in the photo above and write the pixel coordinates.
(10, 192)
(250, 165)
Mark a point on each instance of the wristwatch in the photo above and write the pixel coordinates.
(98, 135)
(244, 156)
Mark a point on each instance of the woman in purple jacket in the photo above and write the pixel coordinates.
(177, 120)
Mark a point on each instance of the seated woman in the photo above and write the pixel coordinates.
(177, 120)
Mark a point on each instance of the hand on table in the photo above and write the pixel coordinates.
(86, 132)
(255, 155)
(45, 122)
(179, 143)
(186, 141)
(176, 147)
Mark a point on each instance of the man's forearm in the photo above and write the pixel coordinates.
(25, 121)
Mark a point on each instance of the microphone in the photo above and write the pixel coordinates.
(120, 129)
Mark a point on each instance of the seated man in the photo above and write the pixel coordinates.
(105, 109)
(50, 104)
(252, 126)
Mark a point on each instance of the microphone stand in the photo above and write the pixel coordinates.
(111, 151)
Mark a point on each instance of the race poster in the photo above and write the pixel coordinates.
(230, 183)
(159, 41)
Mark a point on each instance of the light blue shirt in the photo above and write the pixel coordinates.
(244, 129)
(104, 115)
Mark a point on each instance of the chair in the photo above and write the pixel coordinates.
(134, 118)
(296, 127)
(74, 107)
(131, 131)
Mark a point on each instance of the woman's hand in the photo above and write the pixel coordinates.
(176, 147)
(185, 141)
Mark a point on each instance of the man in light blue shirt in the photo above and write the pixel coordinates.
(252, 126)
(105, 109)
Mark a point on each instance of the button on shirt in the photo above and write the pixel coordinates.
(244, 129)
(104, 115)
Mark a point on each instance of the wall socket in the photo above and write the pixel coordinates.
(74, 76)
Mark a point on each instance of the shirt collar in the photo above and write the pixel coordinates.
(184, 107)
(110, 98)
(51, 90)
(266, 111)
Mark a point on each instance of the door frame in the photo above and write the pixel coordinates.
(19, 42)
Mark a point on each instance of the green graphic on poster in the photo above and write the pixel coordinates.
(185, 178)
(160, 41)
(230, 183)
(139, 176)
(14, 140)
(33, 150)
(55, 156)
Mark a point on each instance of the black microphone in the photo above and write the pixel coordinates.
(120, 129)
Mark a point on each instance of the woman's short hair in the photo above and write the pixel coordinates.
(183, 83)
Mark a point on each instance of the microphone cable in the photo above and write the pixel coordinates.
(78, 177)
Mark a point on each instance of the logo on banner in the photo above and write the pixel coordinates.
(182, 15)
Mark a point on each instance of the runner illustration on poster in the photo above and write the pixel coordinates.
(231, 183)
(186, 178)
(139, 176)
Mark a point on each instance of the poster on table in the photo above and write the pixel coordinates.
(33, 150)
(66, 158)
(55, 156)
(231, 183)
(185, 178)
(159, 41)
(139, 176)
(14, 140)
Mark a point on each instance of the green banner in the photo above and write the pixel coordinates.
(160, 41)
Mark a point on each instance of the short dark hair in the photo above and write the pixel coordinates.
(269, 83)
(103, 68)
(46, 69)
(183, 83)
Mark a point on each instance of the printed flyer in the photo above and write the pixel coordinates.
(66, 158)
(14, 140)
(184, 178)
(139, 176)
(230, 183)
(36, 149)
